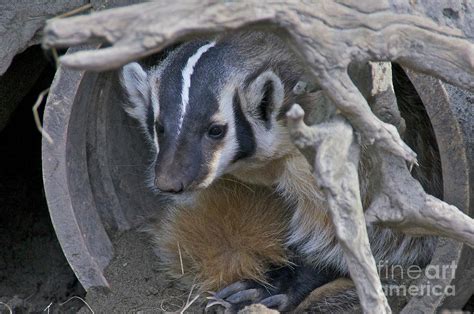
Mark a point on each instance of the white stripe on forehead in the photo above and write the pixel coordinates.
(187, 72)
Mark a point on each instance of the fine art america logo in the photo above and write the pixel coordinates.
(406, 279)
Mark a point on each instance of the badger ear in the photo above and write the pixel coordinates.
(136, 85)
(266, 95)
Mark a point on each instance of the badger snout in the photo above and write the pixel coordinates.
(177, 173)
(170, 181)
(169, 185)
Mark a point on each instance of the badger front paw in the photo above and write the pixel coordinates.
(236, 296)
(288, 287)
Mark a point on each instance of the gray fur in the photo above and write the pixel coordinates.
(233, 71)
(135, 83)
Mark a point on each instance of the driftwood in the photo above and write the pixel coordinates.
(400, 203)
(364, 32)
(335, 165)
(328, 36)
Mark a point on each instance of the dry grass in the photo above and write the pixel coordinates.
(37, 118)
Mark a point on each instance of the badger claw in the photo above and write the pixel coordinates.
(278, 302)
(218, 306)
(235, 296)
(250, 295)
(233, 289)
(238, 300)
(288, 287)
(213, 302)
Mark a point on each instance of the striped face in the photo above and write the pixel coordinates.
(204, 113)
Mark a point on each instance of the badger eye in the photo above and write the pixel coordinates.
(217, 131)
(160, 129)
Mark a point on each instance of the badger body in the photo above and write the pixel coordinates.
(216, 107)
(230, 232)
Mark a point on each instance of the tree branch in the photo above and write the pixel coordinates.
(327, 35)
(335, 167)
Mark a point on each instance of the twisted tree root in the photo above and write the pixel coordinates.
(327, 35)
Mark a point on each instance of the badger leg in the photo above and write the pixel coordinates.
(290, 285)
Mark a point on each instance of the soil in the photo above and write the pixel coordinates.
(137, 284)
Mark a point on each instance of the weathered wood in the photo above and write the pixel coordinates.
(335, 166)
(402, 204)
(399, 203)
(327, 34)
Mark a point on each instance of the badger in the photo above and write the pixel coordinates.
(215, 108)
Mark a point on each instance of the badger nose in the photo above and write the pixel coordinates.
(169, 186)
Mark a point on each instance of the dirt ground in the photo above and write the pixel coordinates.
(136, 283)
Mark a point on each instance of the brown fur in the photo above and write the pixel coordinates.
(337, 296)
(204, 235)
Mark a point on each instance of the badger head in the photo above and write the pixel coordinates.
(207, 111)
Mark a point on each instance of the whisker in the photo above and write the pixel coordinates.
(239, 182)
(128, 165)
